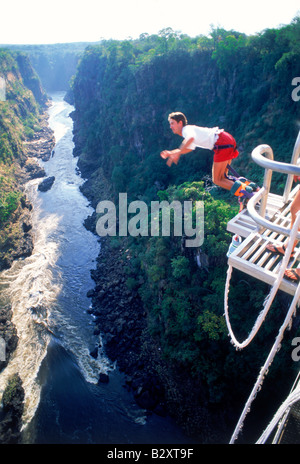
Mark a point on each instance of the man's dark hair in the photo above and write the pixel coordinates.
(178, 117)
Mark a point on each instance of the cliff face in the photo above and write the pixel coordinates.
(55, 64)
(31, 79)
(23, 130)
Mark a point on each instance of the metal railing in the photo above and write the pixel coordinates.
(268, 163)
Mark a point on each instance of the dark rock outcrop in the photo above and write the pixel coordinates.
(34, 171)
(46, 184)
(8, 333)
(121, 319)
(17, 236)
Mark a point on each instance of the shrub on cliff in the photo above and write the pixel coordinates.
(13, 407)
(183, 300)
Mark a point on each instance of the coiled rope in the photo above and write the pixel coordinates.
(264, 370)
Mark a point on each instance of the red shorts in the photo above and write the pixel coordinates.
(225, 154)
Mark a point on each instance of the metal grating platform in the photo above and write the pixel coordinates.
(242, 224)
(251, 256)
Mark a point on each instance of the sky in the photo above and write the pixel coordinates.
(60, 21)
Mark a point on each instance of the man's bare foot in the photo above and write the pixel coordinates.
(279, 250)
(293, 274)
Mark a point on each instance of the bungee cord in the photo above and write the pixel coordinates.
(281, 415)
(264, 370)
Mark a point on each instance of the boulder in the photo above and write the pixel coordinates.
(46, 184)
(33, 170)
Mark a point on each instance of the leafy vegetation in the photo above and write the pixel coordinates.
(175, 289)
(13, 395)
(19, 120)
(9, 199)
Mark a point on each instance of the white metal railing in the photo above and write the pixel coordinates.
(268, 163)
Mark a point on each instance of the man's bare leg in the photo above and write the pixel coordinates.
(218, 175)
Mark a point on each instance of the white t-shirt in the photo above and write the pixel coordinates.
(204, 137)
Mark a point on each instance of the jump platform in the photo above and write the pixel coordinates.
(267, 219)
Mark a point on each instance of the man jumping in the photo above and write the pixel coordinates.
(221, 142)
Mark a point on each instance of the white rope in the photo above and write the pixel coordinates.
(269, 300)
(264, 370)
(281, 414)
(258, 322)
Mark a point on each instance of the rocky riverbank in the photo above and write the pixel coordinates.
(41, 146)
(16, 241)
(156, 386)
(121, 319)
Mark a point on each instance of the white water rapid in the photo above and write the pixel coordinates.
(37, 286)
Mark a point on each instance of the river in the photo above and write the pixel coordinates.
(47, 291)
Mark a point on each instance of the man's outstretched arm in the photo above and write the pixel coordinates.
(175, 154)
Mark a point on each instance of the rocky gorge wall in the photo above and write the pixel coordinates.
(24, 138)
